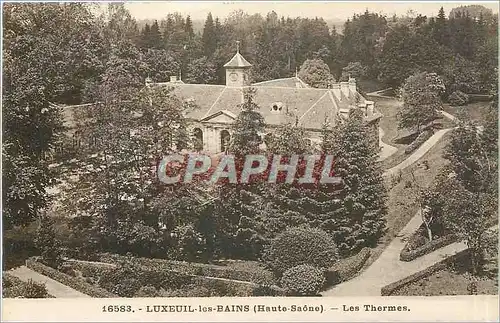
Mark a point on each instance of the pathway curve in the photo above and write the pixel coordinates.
(54, 287)
(377, 94)
(386, 149)
(419, 153)
(388, 268)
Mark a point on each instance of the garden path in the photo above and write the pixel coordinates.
(54, 287)
(419, 153)
(386, 149)
(388, 268)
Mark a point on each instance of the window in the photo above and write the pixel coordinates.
(198, 139)
(277, 107)
(225, 137)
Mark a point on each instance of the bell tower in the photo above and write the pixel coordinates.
(237, 70)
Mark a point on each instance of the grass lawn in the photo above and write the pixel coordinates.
(453, 280)
(474, 111)
(401, 201)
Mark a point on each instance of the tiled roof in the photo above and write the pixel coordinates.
(293, 82)
(310, 106)
(238, 61)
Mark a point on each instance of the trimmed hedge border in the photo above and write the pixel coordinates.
(421, 138)
(197, 269)
(409, 255)
(234, 286)
(72, 282)
(388, 290)
(346, 269)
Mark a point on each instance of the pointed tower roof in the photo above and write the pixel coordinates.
(238, 60)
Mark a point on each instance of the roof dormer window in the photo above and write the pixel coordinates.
(277, 107)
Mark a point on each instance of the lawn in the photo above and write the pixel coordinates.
(474, 111)
(401, 201)
(453, 280)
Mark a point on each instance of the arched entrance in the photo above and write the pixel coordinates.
(225, 138)
(198, 139)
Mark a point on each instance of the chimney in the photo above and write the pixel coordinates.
(336, 91)
(352, 85)
(173, 78)
(369, 108)
(344, 86)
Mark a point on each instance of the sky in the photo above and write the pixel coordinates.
(327, 10)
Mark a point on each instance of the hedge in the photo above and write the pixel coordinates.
(421, 138)
(13, 287)
(197, 269)
(157, 272)
(409, 255)
(391, 288)
(347, 268)
(72, 282)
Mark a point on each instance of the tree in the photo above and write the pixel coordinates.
(361, 36)
(421, 98)
(248, 126)
(469, 215)
(41, 65)
(360, 218)
(209, 37)
(201, 71)
(469, 158)
(355, 70)
(316, 73)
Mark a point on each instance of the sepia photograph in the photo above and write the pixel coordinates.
(239, 150)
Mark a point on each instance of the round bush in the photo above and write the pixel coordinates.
(458, 98)
(301, 246)
(303, 280)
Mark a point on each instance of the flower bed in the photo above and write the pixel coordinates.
(421, 138)
(419, 245)
(258, 276)
(13, 287)
(142, 277)
(347, 268)
(68, 280)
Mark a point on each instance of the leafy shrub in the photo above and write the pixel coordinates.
(13, 287)
(458, 98)
(347, 268)
(301, 246)
(250, 273)
(34, 290)
(421, 138)
(47, 243)
(147, 291)
(189, 243)
(303, 280)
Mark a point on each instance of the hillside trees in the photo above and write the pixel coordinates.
(360, 218)
(316, 73)
(41, 65)
(421, 98)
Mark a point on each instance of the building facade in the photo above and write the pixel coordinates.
(280, 101)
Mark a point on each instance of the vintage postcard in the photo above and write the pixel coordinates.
(249, 161)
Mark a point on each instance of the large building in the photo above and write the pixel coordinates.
(286, 100)
(280, 101)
